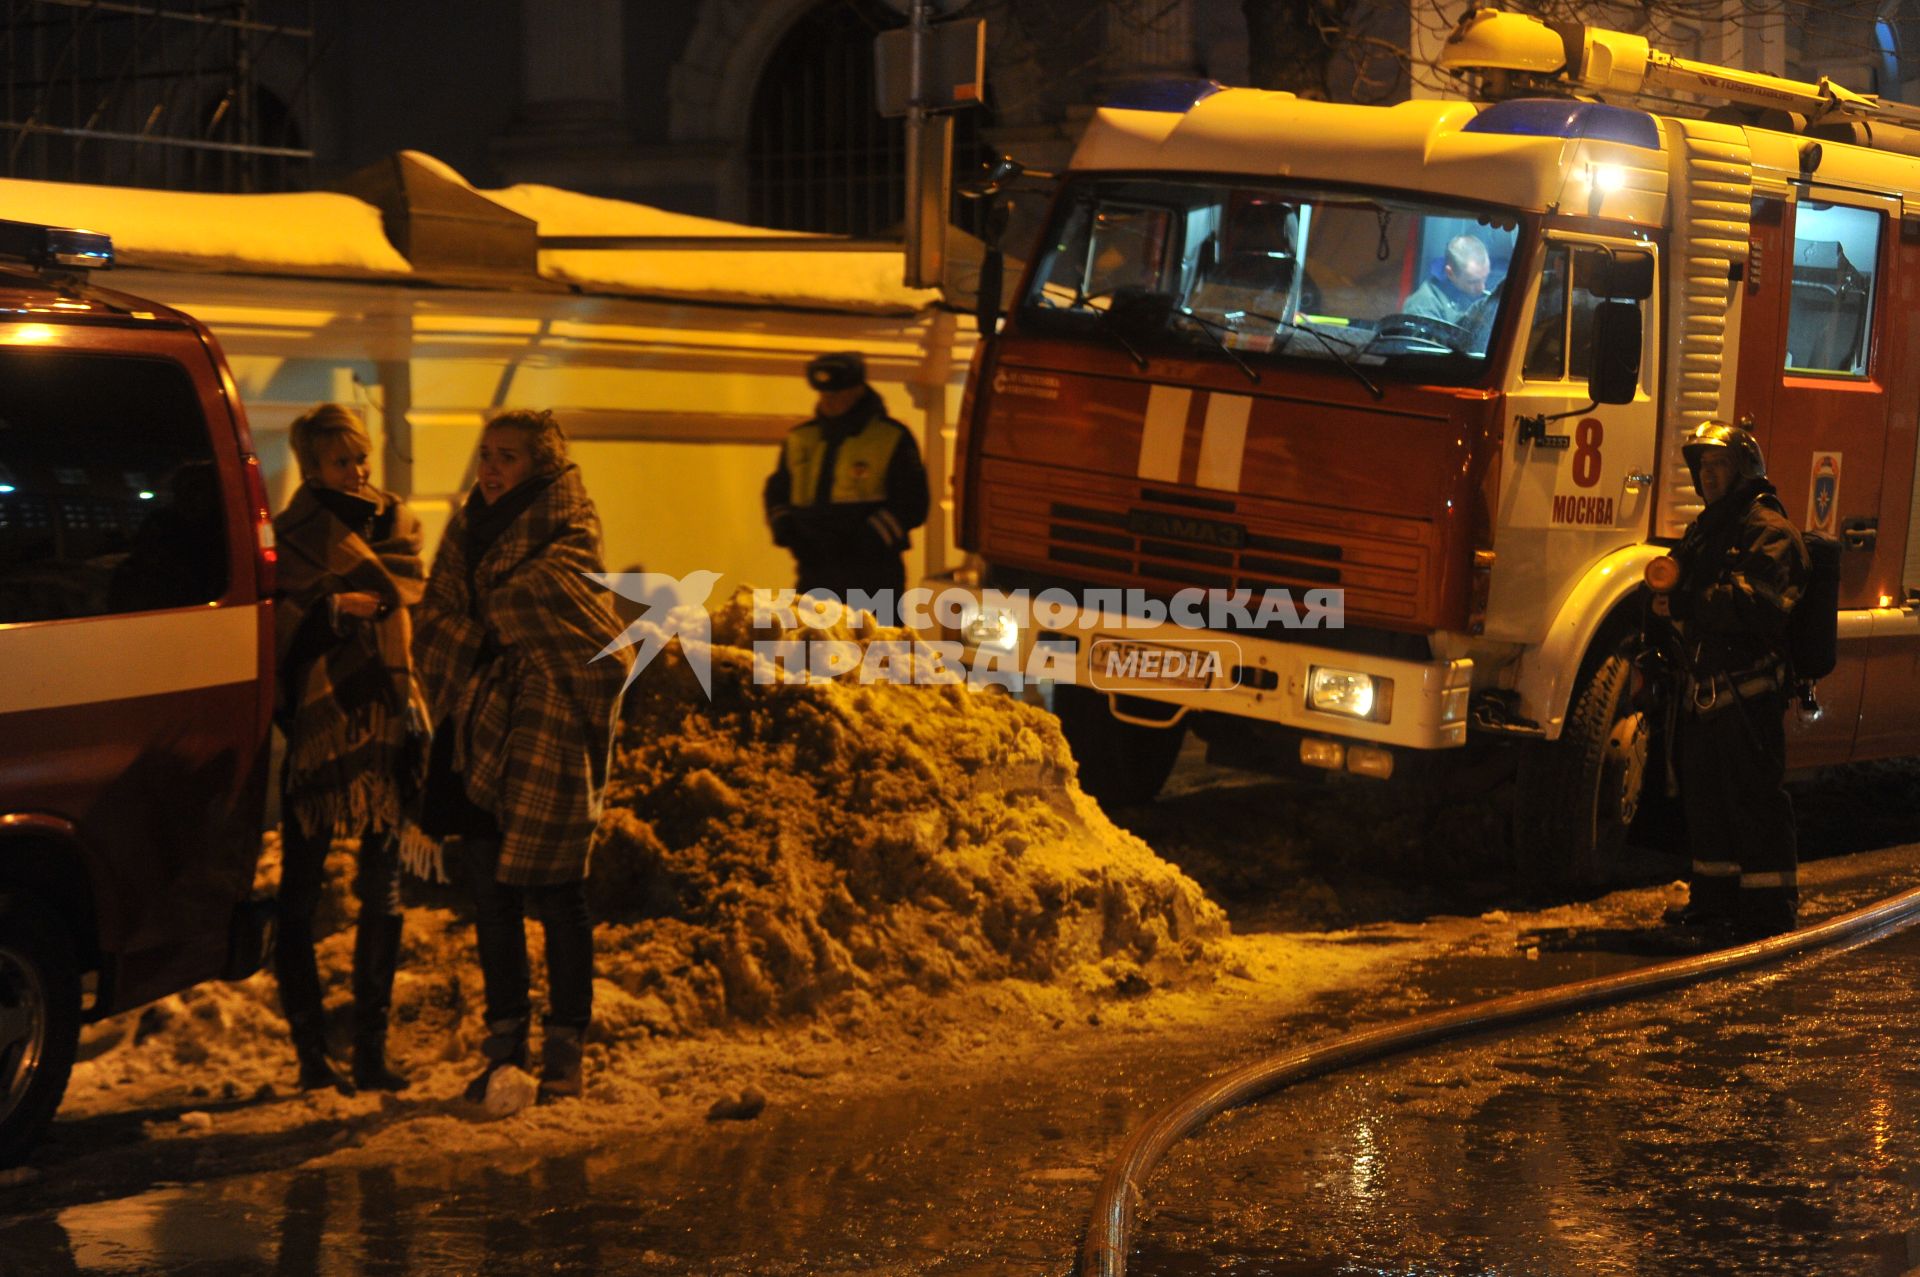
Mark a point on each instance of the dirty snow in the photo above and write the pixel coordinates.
(788, 880)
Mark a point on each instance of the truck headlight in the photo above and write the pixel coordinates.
(990, 630)
(1349, 692)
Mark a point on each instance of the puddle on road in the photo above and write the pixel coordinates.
(1735, 1125)
(1766, 1125)
(903, 1186)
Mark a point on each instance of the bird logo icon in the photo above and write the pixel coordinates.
(674, 607)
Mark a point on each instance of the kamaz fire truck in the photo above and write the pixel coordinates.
(1440, 357)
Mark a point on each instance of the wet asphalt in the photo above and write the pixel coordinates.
(1760, 1124)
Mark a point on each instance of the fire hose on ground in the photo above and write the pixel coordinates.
(1110, 1228)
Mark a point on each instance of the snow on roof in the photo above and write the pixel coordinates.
(330, 234)
(309, 233)
(1420, 146)
(820, 277)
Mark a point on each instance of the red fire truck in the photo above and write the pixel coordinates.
(1439, 357)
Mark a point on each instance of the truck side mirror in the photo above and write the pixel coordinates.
(1629, 275)
(1614, 375)
(986, 302)
(993, 266)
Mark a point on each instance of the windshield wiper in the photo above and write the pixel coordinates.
(1207, 326)
(1104, 321)
(1106, 325)
(1340, 351)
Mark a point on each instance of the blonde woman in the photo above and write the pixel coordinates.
(507, 643)
(349, 569)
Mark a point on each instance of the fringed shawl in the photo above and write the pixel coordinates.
(344, 712)
(506, 652)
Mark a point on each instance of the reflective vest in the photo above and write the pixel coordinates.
(859, 467)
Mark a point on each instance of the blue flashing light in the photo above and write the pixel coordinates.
(1556, 117)
(45, 246)
(1162, 95)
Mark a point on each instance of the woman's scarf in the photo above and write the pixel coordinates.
(355, 748)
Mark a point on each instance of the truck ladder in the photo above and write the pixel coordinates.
(1614, 64)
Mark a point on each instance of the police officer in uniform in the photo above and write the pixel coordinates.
(849, 487)
(1743, 567)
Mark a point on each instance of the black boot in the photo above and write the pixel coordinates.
(1695, 914)
(310, 1047)
(505, 1046)
(562, 1072)
(370, 1071)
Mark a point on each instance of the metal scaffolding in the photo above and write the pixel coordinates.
(179, 94)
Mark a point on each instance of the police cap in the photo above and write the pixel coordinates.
(842, 370)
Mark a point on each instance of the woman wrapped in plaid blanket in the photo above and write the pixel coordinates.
(509, 646)
(349, 569)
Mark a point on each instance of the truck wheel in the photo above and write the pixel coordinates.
(39, 1022)
(1121, 764)
(1578, 796)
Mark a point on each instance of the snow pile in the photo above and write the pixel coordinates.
(782, 849)
(776, 853)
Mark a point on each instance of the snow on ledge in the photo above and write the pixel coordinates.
(324, 233)
(307, 233)
(862, 280)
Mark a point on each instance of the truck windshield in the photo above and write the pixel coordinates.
(1256, 272)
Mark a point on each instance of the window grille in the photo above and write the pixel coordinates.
(820, 158)
(158, 93)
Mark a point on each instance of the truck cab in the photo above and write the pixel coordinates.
(1436, 360)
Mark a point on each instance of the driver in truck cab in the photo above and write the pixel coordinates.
(1460, 286)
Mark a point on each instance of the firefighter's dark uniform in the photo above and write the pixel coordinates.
(848, 491)
(1743, 568)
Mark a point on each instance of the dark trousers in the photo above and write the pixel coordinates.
(376, 940)
(500, 914)
(1739, 818)
(841, 577)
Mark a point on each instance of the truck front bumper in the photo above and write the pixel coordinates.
(1316, 689)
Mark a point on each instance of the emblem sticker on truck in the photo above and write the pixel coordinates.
(1035, 385)
(1823, 496)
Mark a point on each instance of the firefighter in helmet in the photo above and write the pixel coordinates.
(1743, 567)
(849, 487)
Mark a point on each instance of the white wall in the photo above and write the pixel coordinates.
(675, 410)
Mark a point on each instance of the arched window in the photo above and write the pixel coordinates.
(820, 158)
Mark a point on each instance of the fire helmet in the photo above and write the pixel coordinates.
(1748, 463)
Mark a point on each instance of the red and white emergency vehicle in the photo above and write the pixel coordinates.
(136, 663)
(1440, 357)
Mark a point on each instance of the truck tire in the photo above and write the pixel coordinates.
(39, 1022)
(1121, 764)
(1577, 796)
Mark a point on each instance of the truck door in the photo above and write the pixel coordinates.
(1583, 489)
(129, 637)
(1890, 708)
(1814, 372)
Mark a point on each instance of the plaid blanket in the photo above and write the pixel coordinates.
(345, 711)
(505, 650)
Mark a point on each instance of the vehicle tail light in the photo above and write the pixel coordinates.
(268, 555)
